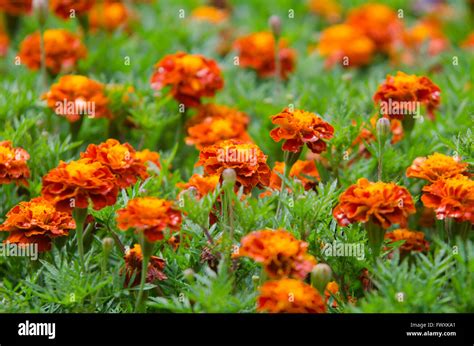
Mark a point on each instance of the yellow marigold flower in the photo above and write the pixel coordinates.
(75, 96)
(400, 94)
(13, 167)
(210, 14)
(257, 51)
(110, 16)
(120, 159)
(149, 215)
(414, 241)
(300, 127)
(379, 22)
(281, 254)
(384, 204)
(451, 197)
(436, 166)
(147, 155)
(328, 9)
(289, 296)
(70, 8)
(74, 184)
(201, 184)
(16, 7)
(190, 77)
(345, 45)
(133, 267)
(36, 222)
(214, 123)
(63, 50)
(248, 161)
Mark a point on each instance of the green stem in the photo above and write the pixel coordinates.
(147, 250)
(289, 158)
(80, 215)
(75, 128)
(376, 235)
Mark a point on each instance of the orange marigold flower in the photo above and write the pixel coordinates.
(384, 204)
(72, 185)
(414, 241)
(13, 167)
(4, 43)
(248, 161)
(16, 7)
(452, 197)
(214, 123)
(75, 96)
(190, 76)
(289, 296)
(110, 16)
(300, 127)
(426, 32)
(149, 215)
(147, 155)
(62, 49)
(70, 8)
(257, 51)
(332, 289)
(133, 267)
(281, 254)
(305, 171)
(401, 94)
(379, 22)
(210, 14)
(36, 222)
(436, 166)
(345, 45)
(120, 159)
(201, 184)
(469, 41)
(328, 9)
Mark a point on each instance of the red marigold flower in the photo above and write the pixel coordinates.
(379, 22)
(201, 184)
(13, 167)
(281, 254)
(190, 77)
(36, 222)
(133, 267)
(399, 95)
(210, 14)
(147, 155)
(248, 161)
(75, 96)
(414, 241)
(436, 166)
(72, 185)
(16, 7)
(120, 159)
(110, 16)
(289, 296)
(452, 197)
(345, 45)
(63, 50)
(70, 8)
(384, 204)
(4, 43)
(305, 171)
(257, 51)
(149, 215)
(214, 123)
(300, 127)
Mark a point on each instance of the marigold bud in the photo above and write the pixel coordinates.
(383, 128)
(229, 176)
(107, 245)
(275, 25)
(189, 274)
(320, 276)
